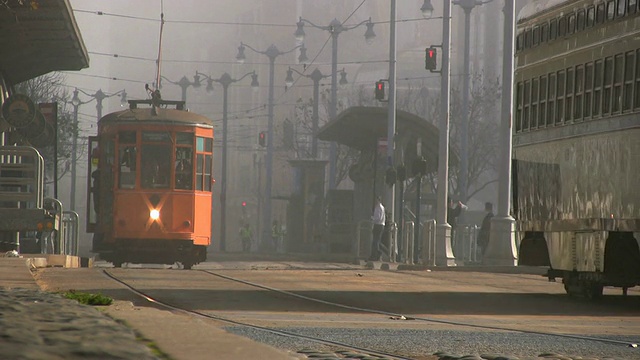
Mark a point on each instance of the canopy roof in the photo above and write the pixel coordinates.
(360, 127)
(37, 37)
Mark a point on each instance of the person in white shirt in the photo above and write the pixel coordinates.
(378, 219)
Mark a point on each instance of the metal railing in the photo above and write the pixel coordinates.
(465, 244)
(428, 255)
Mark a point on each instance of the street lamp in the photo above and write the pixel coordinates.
(272, 53)
(335, 28)
(316, 76)
(463, 178)
(184, 84)
(76, 102)
(225, 80)
(444, 255)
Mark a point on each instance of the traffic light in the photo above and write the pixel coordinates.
(430, 57)
(244, 204)
(262, 139)
(379, 90)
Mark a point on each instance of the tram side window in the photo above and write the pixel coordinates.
(204, 149)
(611, 10)
(156, 170)
(591, 16)
(553, 29)
(618, 78)
(560, 98)
(551, 107)
(600, 12)
(579, 91)
(184, 168)
(597, 88)
(568, 102)
(608, 82)
(543, 101)
(622, 8)
(580, 20)
(588, 87)
(636, 90)
(629, 64)
(519, 107)
(535, 91)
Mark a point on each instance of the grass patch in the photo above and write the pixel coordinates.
(88, 299)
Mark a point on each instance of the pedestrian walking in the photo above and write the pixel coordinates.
(246, 235)
(378, 219)
(485, 229)
(453, 213)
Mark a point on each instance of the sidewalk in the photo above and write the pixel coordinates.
(38, 325)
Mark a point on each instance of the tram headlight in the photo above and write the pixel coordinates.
(154, 214)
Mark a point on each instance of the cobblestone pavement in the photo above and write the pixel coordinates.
(36, 325)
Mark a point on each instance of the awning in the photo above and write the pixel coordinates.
(37, 37)
(360, 127)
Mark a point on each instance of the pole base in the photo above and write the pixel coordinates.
(444, 255)
(502, 249)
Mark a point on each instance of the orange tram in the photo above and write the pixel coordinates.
(149, 183)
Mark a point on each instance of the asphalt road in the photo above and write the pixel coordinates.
(454, 311)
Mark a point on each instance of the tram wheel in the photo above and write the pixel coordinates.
(592, 290)
(117, 264)
(187, 265)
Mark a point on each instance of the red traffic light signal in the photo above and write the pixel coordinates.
(430, 56)
(244, 203)
(262, 139)
(379, 90)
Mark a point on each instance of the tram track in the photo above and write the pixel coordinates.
(423, 319)
(230, 321)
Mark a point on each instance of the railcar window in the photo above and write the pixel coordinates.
(579, 91)
(184, 168)
(553, 29)
(526, 100)
(156, 166)
(551, 108)
(629, 64)
(184, 138)
(633, 6)
(597, 88)
(611, 10)
(568, 106)
(562, 26)
(544, 33)
(536, 36)
(608, 83)
(203, 163)
(535, 92)
(519, 107)
(571, 24)
(127, 173)
(543, 101)
(127, 137)
(636, 90)
(622, 8)
(156, 136)
(580, 20)
(618, 79)
(600, 12)
(591, 16)
(588, 87)
(560, 80)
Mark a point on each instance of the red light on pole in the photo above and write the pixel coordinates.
(431, 55)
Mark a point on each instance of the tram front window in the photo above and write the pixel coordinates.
(184, 168)
(127, 166)
(156, 167)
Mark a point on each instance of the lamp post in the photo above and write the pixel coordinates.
(272, 53)
(335, 28)
(391, 119)
(225, 80)
(184, 84)
(316, 76)
(444, 255)
(463, 178)
(76, 102)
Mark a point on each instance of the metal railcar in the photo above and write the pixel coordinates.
(149, 184)
(576, 142)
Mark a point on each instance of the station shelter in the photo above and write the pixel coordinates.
(365, 129)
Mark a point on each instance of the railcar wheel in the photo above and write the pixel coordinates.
(592, 290)
(187, 265)
(117, 264)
